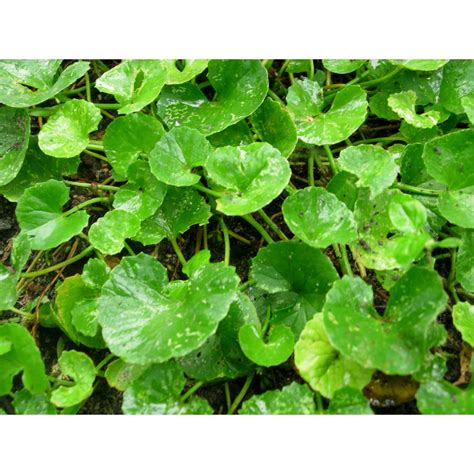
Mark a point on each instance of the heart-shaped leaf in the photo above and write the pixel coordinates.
(465, 261)
(403, 103)
(241, 86)
(24, 83)
(145, 319)
(183, 72)
(134, 83)
(343, 66)
(322, 366)
(66, 133)
(442, 398)
(463, 318)
(181, 209)
(268, 351)
(21, 355)
(374, 166)
(81, 369)
(108, 234)
(14, 137)
(39, 213)
(176, 154)
(399, 343)
(251, 175)
(318, 218)
(347, 113)
(293, 399)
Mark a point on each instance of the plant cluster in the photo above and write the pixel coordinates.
(238, 236)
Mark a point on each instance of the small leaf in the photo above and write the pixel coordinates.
(14, 137)
(465, 262)
(120, 375)
(442, 398)
(66, 133)
(293, 399)
(275, 350)
(39, 213)
(108, 234)
(176, 154)
(235, 135)
(134, 83)
(181, 209)
(343, 66)
(305, 99)
(322, 366)
(407, 213)
(403, 103)
(318, 218)
(95, 273)
(21, 251)
(463, 318)
(251, 175)
(8, 281)
(79, 367)
(374, 166)
(349, 401)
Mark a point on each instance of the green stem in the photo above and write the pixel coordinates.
(22, 313)
(103, 187)
(228, 400)
(178, 252)
(272, 225)
(452, 276)
(332, 162)
(88, 88)
(250, 282)
(345, 265)
(192, 390)
(129, 249)
(374, 82)
(58, 266)
(104, 362)
(312, 153)
(93, 145)
(416, 190)
(85, 204)
(274, 96)
(393, 138)
(225, 233)
(108, 106)
(95, 155)
(311, 70)
(283, 67)
(241, 395)
(259, 228)
(75, 91)
(211, 192)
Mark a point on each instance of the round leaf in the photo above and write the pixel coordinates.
(305, 99)
(403, 103)
(457, 206)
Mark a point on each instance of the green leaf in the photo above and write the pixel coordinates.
(343, 66)
(128, 137)
(251, 175)
(457, 82)
(181, 209)
(21, 251)
(66, 133)
(176, 154)
(421, 64)
(186, 71)
(378, 104)
(293, 399)
(37, 168)
(120, 375)
(81, 369)
(305, 99)
(343, 186)
(442, 398)
(235, 135)
(412, 166)
(18, 78)
(157, 392)
(467, 103)
(349, 401)
(403, 103)
(273, 125)
(399, 343)
(407, 213)
(25, 403)
(39, 213)
(134, 83)
(108, 234)
(448, 159)
(240, 86)
(274, 349)
(465, 262)
(322, 366)
(23, 356)
(463, 318)
(295, 271)
(95, 273)
(8, 281)
(374, 166)
(145, 319)
(14, 137)
(457, 206)
(318, 218)
(221, 356)
(347, 113)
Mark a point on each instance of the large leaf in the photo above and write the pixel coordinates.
(21, 355)
(81, 369)
(66, 133)
(347, 113)
(14, 137)
(458, 82)
(305, 99)
(293, 399)
(465, 261)
(179, 73)
(181, 209)
(399, 343)
(134, 83)
(176, 154)
(145, 319)
(128, 137)
(318, 218)
(463, 319)
(322, 366)
(442, 398)
(39, 213)
(403, 103)
(374, 166)
(240, 85)
(250, 175)
(24, 83)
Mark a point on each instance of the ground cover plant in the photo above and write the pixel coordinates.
(236, 236)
